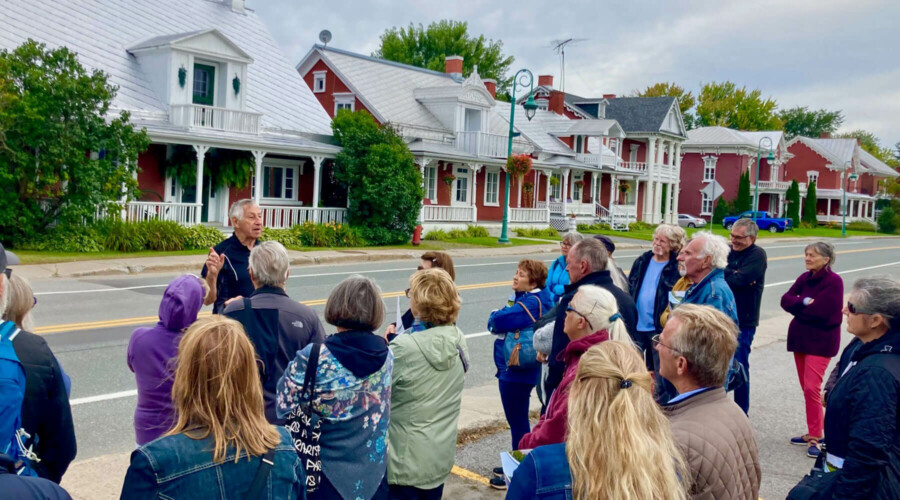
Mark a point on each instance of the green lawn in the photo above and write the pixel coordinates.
(820, 232)
(44, 257)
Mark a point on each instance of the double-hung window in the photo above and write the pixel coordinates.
(278, 183)
(556, 190)
(706, 205)
(430, 181)
(492, 188)
(709, 168)
(344, 102)
(319, 81)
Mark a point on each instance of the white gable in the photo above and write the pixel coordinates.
(673, 122)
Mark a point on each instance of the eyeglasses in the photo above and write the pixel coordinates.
(655, 340)
(738, 237)
(35, 302)
(407, 293)
(570, 308)
(8, 273)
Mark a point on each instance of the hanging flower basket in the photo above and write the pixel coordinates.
(579, 184)
(528, 187)
(624, 188)
(554, 181)
(518, 165)
(448, 179)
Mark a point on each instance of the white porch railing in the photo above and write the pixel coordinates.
(601, 212)
(589, 158)
(632, 166)
(774, 185)
(536, 215)
(443, 213)
(209, 117)
(837, 218)
(182, 213)
(285, 217)
(622, 215)
(482, 144)
(574, 207)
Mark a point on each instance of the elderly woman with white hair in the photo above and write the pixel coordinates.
(558, 276)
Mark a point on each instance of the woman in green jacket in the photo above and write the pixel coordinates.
(429, 372)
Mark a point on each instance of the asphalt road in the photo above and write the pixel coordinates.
(88, 322)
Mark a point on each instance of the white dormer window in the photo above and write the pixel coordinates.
(319, 81)
(812, 176)
(543, 104)
(344, 101)
(709, 168)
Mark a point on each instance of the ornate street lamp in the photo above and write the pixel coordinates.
(771, 159)
(524, 78)
(853, 177)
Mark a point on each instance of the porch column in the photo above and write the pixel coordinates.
(422, 163)
(859, 209)
(827, 210)
(317, 188)
(200, 150)
(614, 191)
(676, 186)
(537, 188)
(657, 188)
(565, 189)
(258, 174)
(650, 158)
(590, 175)
(670, 199)
(475, 168)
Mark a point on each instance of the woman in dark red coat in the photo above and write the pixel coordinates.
(815, 300)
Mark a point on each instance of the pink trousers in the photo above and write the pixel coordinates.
(811, 371)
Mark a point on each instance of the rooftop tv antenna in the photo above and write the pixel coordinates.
(325, 37)
(560, 47)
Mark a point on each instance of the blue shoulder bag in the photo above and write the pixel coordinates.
(518, 347)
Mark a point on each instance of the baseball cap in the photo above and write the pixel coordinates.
(7, 258)
(607, 242)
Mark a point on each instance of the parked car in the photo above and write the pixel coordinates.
(685, 220)
(764, 220)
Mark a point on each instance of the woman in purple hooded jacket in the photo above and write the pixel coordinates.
(152, 352)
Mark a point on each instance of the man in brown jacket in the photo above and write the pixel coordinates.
(695, 350)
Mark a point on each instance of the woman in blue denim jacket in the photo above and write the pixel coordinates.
(352, 394)
(529, 302)
(618, 438)
(221, 439)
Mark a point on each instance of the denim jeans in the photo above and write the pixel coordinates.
(742, 355)
(516, 397)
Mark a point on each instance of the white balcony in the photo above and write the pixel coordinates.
(482, 144)
(284, 217)
(589, 158)
(443, 213)
(212, 118)
(182, 213)
(529, 215)
(778, 186)
(575, 207)
(638, 167)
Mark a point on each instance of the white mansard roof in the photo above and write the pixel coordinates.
(102, 31)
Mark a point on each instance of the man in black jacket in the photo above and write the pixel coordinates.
(746, 276)
(587, 265)
(46, 414)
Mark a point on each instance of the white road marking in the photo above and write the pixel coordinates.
(848, 271)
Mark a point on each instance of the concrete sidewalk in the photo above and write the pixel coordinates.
(102, 477)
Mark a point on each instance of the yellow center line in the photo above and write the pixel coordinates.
(90, 325)
(467, 474)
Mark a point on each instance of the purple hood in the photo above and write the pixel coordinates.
(180, 303)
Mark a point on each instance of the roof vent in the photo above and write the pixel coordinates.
(237, 6)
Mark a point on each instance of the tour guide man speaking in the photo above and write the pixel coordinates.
(227, 270)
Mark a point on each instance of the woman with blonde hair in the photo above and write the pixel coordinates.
(221, 445)
(619, 442)
(592, 317)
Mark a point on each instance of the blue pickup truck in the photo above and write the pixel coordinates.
(764, 220)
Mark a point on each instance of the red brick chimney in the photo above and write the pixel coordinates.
(453, 65)
(557, 102)
(545, 81)
(491, 86)
(609, 96)
(825, 135)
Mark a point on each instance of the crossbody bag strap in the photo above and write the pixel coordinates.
(540, 309)
(266, 463)
(309, 379)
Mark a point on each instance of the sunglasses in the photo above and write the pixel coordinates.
(8, 273)
(570, 308)
(655, 340)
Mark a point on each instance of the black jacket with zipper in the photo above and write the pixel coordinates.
(746, 276)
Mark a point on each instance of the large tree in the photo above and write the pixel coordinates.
(792, 199)
(63, 154)
(724, 104)
(744, 200)
(810, 205)
(869, 142)
(686, 100)
(427, 47)
(801, 121)
(384, 183)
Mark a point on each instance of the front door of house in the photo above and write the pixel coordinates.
(462, 187)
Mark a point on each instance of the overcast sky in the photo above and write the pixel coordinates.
(830, 54)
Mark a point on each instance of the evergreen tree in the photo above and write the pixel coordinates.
(792, 198)
(744, 201)
(809, 205)
(721, 210)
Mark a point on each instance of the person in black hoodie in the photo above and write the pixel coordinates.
(861, 424)
(587, 265)
(746, 276)
(46, 414)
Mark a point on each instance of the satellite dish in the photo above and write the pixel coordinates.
(325, 36)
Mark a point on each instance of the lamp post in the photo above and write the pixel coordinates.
(852, 177)
(524, 78)
(771, 159)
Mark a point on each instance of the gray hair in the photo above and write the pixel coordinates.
(824, 249)
(4, 293)
(593, 251)
(675, 234)
(572, 238)
(714, 246)
(237, 208)
(878, 295)
(749, 225)
(355, 303)
(707, 338)
(269, 263)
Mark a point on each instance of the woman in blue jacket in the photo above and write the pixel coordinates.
(529, 302)
(558, 277)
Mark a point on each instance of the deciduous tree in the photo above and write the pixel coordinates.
(869, 142)
(427, 47)
(724, 104)
(63, 153)
(801, 121)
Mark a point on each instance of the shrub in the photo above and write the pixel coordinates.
(455, 234)
(531, 232)
(886, 221)
(592, 228)
(163, 235)
(477, 232)
(123, 236)
(861, 226)
(201, 237)
(65, 238)
(639, 226)
(436, 235)
(287, 237)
